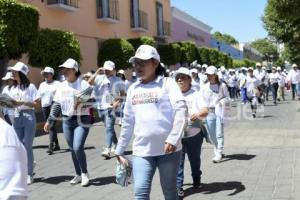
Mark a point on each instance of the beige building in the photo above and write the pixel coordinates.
(92, 21)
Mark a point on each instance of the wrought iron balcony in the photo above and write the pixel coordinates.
(66, 5)
(108, 11)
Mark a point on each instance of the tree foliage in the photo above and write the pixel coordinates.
(136, 42)
(18, 28)
(266, 48)
(189, 51)
(282, 21)
(170, 54)
(117, 50)
(53, 47)
(226, 38)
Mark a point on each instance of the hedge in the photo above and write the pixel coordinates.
(243, 63)
(117, 50)
(189, 52)
(170, 54)
(53, 47)
(18, 28)
(136, 42)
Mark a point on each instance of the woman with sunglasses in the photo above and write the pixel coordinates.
(155, 113)
(211, 95)
(25, 94)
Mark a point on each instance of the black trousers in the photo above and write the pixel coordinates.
(52, 132)
(293, 91)
(274, 89)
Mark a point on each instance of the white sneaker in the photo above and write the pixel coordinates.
(217, 158)
(106, 152)
(85, 179)
(29, 180)
(75, 180)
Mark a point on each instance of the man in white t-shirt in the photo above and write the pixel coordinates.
(294, 79)
(13, 165)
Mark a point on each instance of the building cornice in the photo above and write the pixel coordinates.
(183, 16)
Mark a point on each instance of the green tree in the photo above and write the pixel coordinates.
(18, 28)
(170, 54)
(117, 50)
(226, 38)
(204, 55)
(266, 48)
(53, 47)
(189, 51)
(282, 21)
(136, 42)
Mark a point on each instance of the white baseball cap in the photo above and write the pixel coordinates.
(194, 70)
(109, 65)
(250, 68)
(48, 70)
(20, 67)
(121, 71)
(211, 70)
(70, 64)
(183, 70)
(278, 68)
(258, 64)
(145, 52)
(223, 69)
(294, 65)
(204, 66)
(8, 76)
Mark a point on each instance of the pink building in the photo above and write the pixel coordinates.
(186, 27)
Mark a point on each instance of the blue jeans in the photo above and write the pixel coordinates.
(215, 131)
(76, 134)
(109, 118)
(25, 127)
(192, 147)
(244, 95)
(144, 169)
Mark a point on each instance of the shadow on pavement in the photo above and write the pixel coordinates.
(237, 157)
(103, 181)
(40, 147)
(211, 188)
(53, 180)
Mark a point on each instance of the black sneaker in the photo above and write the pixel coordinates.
(196, 182)
(254, 115)
(49, 151)
(180, 193)
(56, 148)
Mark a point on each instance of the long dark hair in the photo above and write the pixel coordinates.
(78, 73)
(160, 71)
(24, 81)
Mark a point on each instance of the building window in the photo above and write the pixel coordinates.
(139, 18)
(108, 9)
(159, 19)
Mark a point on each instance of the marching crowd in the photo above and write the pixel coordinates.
(167, 113)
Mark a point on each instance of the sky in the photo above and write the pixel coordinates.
(239, 18)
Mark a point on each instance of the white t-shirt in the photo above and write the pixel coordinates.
(46, 92)
(65, 96)
(27, 95)
(232, 80)
(294, 76)
(260, 75)
(106, 90)
(149, 115)
(13, 163)
(196, 84)
(282, 79)
(274, 78)
(7, 111)
(251, 84)
(211, 94)
(242, 80)
(192, 102)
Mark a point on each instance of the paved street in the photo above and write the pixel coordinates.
(262, 163)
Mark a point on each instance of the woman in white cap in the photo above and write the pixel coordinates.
(252, 86)
(9, 82)
(76, 121)
(192, 139)
(211, 95)
(154, 113)
(25, 93)
(13, 164)
(294, 80)
(45, 94)
(274, 78)
(281, 84)
(195, 79)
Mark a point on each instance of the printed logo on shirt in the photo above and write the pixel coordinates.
(145, 98)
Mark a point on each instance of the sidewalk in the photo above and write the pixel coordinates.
(262, 163)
